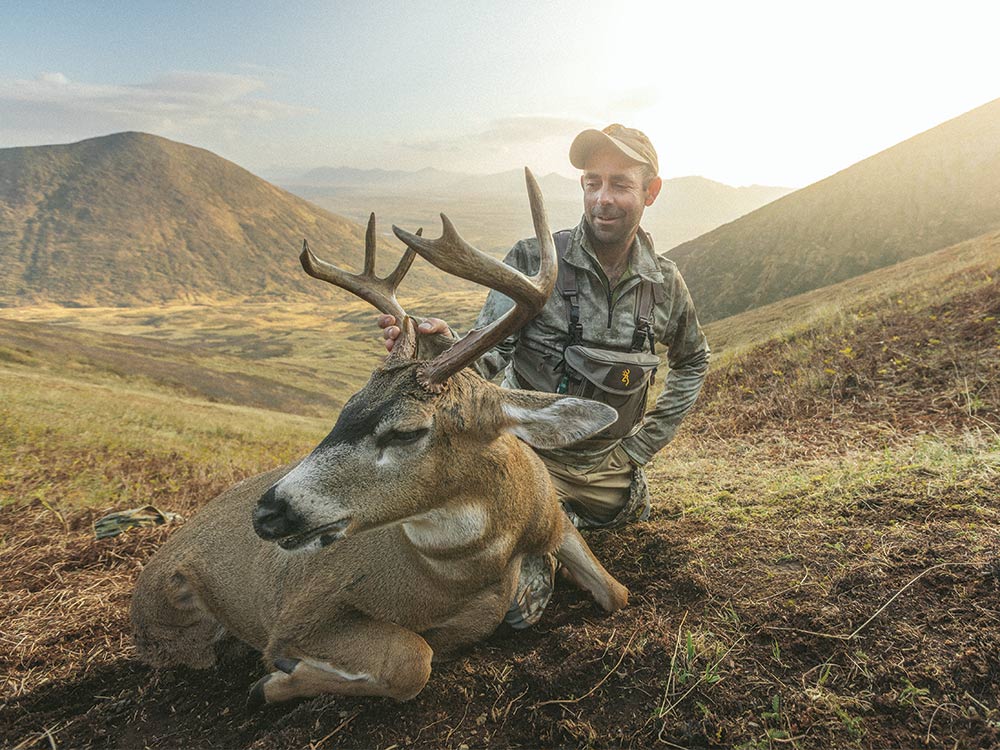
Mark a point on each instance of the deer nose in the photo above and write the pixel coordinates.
(272, 518)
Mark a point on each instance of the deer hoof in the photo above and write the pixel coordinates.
(257, 700)
(286, 665)
(618, 599)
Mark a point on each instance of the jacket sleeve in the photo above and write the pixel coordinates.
(496, 359)
(687, 356)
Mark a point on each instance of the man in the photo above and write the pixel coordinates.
(614, 301)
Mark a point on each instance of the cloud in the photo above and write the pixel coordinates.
(538, 140)
(504, 132)
(53, 78)
(177, 103)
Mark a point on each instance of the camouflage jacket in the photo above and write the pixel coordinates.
(609, 321)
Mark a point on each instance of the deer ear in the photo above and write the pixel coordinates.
(545, 420)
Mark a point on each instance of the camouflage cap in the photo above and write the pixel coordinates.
(631, 142)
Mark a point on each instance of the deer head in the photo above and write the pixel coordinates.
(426, 434)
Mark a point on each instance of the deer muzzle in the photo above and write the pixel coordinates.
(276, 521)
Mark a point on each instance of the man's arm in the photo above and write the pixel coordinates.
(687, 356)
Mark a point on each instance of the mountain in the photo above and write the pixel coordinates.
(134, 218)
(919, 280)
(914, 347)
(490, 208)
(933, 190)
(391, 180)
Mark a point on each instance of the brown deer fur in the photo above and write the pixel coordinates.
(410, 521)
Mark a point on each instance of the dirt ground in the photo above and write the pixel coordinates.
(822, 570)
(874, 626)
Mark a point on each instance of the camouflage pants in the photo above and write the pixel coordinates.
(607, 496)
(618, 495)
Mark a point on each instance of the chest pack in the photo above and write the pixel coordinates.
(620, 379)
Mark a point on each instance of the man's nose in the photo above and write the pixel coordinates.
(604, 196)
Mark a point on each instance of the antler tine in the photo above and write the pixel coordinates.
(370, 239)
(380, 293)
(454, 255)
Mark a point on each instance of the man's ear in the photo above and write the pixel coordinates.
(545, 420)
(653, 190)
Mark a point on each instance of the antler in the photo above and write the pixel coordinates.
(454, 255)
(381, 293)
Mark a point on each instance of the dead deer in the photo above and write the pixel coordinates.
(398, 540)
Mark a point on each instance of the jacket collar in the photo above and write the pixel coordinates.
(642, 264)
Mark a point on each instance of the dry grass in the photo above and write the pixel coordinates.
(822, 569)
(839, 600)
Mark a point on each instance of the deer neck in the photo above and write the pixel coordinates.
(459, 543)
(448, 529)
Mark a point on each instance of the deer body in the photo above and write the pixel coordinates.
(398, 540)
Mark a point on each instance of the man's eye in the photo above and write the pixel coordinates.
(403, 437)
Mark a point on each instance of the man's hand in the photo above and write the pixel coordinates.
(391, 331)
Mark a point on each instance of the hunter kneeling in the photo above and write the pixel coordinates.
(596, 336)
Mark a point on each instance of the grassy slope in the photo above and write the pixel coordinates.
(820, 571)
(852, 456)
(297, 357)
(732, 335)
(931, 191)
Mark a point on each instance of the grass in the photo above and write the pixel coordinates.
(301, 358)
(790, 318)
(69, 443)
(820, 570)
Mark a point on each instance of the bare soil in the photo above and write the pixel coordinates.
(738, 634)
(809, 579)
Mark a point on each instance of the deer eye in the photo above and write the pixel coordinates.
(402, 437)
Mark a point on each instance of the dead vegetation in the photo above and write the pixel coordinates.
(822, 570)
(826, 614)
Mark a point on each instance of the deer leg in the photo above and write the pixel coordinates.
(170, 623)
(477, 619)
(586, 571)
(359, 657)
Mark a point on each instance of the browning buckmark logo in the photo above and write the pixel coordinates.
(625, 373)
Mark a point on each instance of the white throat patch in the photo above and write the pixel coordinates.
(447, 528)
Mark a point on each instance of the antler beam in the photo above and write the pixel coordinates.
(454, 255)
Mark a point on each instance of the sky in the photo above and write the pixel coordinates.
(752, 92)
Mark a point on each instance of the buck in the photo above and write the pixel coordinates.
(398, 540)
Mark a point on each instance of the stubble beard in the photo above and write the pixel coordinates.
(609, 238)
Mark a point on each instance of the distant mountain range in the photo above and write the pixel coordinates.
(931, 191)
(133, 218)
(492, 206)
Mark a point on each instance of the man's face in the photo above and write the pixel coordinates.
(614, 196)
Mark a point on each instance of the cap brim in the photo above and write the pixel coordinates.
(590, 140)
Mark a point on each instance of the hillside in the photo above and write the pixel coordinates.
(194, 371)
(912, 348)
(931, 191)
(491, 209)
(820, 569)
(133, 218)
(302, 358)
(731, 336)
